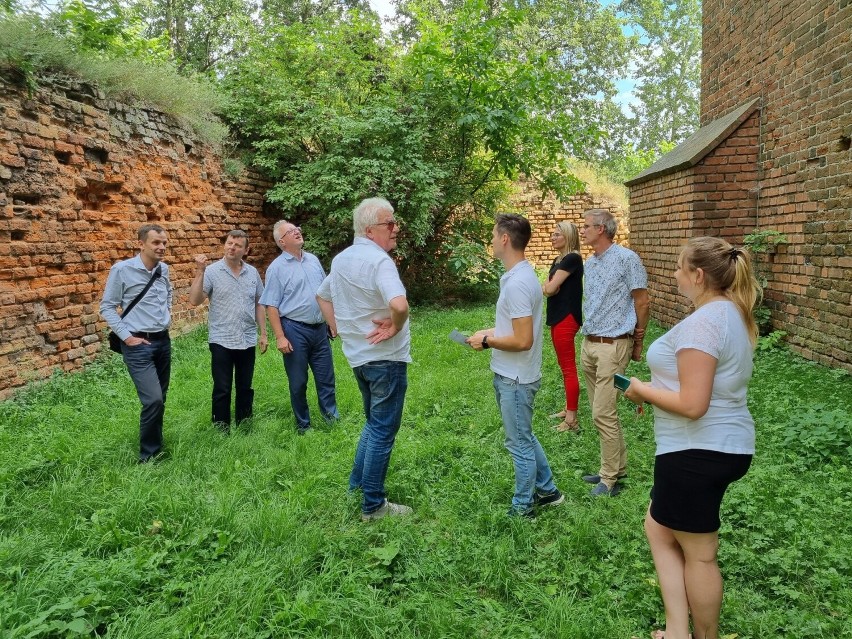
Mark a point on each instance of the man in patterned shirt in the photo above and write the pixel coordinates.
(234, 289)
(615, 311)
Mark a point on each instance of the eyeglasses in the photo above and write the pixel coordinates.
(295, 229)
(391, 224)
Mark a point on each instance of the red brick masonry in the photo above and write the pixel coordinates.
(78, 175)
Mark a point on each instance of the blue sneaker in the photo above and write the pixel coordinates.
(602, 490)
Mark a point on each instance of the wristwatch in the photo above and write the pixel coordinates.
(485, 342)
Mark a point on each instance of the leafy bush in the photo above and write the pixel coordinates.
(335, 112)
(819, 433)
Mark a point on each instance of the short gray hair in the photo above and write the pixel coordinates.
(276, 230)
(605, 219)
(367, 213)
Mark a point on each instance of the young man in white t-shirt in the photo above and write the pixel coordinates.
(516, 362)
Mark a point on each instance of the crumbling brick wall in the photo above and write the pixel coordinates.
(79, 174)
(545, 212)
(794, 56)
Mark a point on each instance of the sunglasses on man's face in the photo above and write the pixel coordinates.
(391, 224)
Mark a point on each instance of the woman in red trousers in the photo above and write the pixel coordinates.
(564, 292)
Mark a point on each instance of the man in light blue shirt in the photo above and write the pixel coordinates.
(364, 301)
(234, 289)
(144, 331)
(516, 363)
(301, 334)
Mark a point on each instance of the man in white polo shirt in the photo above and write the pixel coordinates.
(516, 362)
(234, 289)
(364, 301)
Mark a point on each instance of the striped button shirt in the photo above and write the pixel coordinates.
(232, 319)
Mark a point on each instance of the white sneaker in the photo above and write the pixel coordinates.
(388, 509)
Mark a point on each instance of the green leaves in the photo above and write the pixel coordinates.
(335, 112)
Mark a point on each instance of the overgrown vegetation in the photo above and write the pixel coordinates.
(762, 244)
(253, 535)
(439, 111)
(119, 62)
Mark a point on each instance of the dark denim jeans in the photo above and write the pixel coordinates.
(310, 348)
(231, 366)
(149, 366)
(532, 471)
(383, 385)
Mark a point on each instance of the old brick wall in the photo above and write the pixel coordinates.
(78, 175)
(545, 212)
(797, 58)
(715, 197)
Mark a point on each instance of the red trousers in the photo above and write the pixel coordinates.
(563, 342)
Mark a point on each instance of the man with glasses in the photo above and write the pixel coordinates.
(301, 334)
(235, 314)
(364, 301)
(616, 307)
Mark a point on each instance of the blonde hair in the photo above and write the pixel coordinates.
(726, 269)
(572, 237)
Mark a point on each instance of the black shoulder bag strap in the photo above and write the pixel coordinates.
(142, 293)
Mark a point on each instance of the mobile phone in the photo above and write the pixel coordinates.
(621, 382)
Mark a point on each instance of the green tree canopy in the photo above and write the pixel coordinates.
(334, 112)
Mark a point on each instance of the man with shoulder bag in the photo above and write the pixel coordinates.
(141, 287)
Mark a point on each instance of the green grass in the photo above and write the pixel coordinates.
(260, 539)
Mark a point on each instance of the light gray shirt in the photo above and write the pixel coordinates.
(291, 287)
(718, 329)
(520, 296)
(608, 282)
(232, 317)
(362, 282)
(126, 280)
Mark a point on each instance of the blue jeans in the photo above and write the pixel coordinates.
(532, 472)
(383, 385)
(310, 348)
(231, 367)
(150, 366)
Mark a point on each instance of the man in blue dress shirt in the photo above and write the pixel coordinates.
(234, 289)
(301, 335)
(144, 331)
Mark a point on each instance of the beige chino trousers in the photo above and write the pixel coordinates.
(600, 363)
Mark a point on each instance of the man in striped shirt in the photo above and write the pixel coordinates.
(234, 289)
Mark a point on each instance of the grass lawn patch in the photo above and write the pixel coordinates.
(254, 534)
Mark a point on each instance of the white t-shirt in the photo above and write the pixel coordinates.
(718, 330)
(520, 296)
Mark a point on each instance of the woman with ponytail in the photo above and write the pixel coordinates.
(564, 292)
(700, 371)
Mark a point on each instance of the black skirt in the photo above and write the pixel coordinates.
(689, 486)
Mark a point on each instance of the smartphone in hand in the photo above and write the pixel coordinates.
(621, 382)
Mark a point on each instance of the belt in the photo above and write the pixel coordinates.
(305, 323)
(607, 340)
(150, 336)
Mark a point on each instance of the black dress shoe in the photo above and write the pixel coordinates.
(156, 457)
